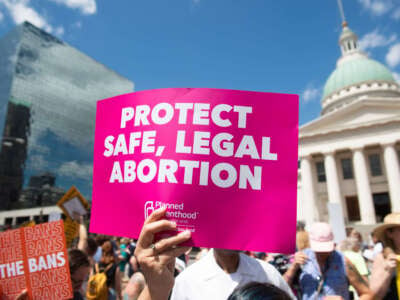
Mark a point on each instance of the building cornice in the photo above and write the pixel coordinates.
(393, 102)
(350, 128)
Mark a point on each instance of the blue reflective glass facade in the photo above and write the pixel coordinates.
(48, 94)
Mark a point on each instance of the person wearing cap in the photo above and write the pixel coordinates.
(322, 271)
(385, 272)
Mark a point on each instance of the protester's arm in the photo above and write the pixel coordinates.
(21, 296)
(158, 264)
(357, 281)
(363, 270)
(134, 264)
(83, 236)
(118, 254)
(381, 275)
(299, 259)
(117, 281)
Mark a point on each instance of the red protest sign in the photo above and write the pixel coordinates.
(35, 258)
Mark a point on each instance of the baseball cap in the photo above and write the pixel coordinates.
(321, 237)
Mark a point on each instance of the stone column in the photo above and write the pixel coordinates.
(366, 204)
(393, 175)
(332, 180)
(335, 206)
(309, 198)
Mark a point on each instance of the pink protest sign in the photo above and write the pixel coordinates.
(223, 162)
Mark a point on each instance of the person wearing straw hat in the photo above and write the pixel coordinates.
(385, 275)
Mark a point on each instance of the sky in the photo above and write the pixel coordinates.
(282, 46)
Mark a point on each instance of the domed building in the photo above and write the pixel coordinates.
(349, 156)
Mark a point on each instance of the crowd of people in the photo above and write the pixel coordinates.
(103, 267)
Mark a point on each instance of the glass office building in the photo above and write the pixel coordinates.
(48, 94)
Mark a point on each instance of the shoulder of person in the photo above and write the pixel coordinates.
(195, 270)
(272, 273)
(274, 276)
(189, 279)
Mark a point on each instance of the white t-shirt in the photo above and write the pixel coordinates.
(206, 280)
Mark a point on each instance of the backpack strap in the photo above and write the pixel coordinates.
(96, 268)
(109, 266)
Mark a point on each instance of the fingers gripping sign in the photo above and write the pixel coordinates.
(157, 259)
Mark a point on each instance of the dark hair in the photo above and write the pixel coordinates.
(260, 255)
(101, 239)
(91, 246)
(300, 226)
(77, 259)
(107, 253)
(258, 291)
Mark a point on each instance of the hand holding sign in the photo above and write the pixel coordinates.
(157, 260)
(23, 296)
(78, 217)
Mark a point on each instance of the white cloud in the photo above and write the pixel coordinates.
(87, 7)
(76, 170)
(20, 11)
(77, 24)
(396, 77)
(59, 31)
(380, 8)
(377, 7)
(39, 148)
(310, 93)
(375, 39)
(38, 163)
(393, 55)
(396, 14)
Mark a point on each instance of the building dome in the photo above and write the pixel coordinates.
(356, 71)
(356, 76)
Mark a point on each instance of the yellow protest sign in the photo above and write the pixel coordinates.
(73, 202)
(71, 230)
(30, 223)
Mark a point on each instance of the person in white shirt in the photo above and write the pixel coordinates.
(222, 270)
(217, 274)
